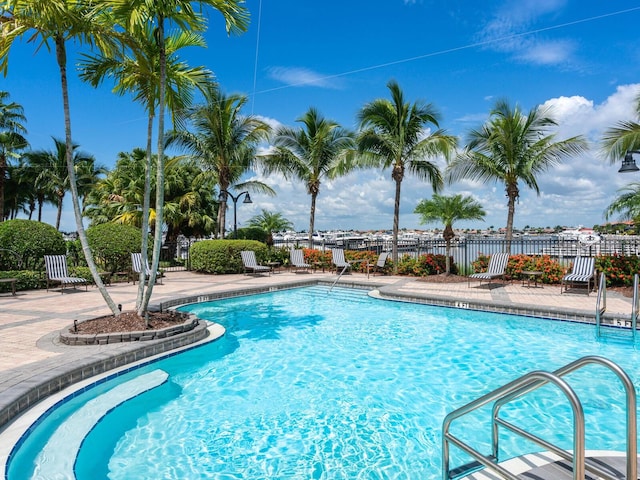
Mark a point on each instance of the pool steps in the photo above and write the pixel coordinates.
(574, 460)
(58, 456)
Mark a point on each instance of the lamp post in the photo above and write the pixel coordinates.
(247, 199)
(628, 163)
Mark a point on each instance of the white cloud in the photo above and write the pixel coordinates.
(507, 32)
(303, 77)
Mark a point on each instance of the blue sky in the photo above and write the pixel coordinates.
(580, 58)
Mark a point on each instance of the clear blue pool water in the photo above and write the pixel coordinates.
(308, 384)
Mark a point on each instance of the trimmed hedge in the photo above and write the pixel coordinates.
(28, 242)
(26, 280)
(112, 245)
(223, 256)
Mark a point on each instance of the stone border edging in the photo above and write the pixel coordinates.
(22, 396)
(69, 338)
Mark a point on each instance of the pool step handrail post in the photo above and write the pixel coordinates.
(524, 385)
(601, 302)
(344, 269)
(634, 307)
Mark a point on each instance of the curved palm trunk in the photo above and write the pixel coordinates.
(61, 57)
(396, 226)
(222, 216)
(312, 218)
(157, 238)
(448, 235)
(144, 227)
(59, 212)
(3, 169)
(512, 194)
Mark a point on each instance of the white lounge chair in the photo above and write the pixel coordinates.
(136, 268)
(379, 265)
(56, 267)
(338, 260)
(297, 260)
(583, 271)
(496, 268)
(251, 264)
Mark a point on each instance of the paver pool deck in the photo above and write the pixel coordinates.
(30, 322)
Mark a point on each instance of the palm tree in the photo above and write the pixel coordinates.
(321, 149)
(625, 136)
(627, 204)
(510, 148)
(270, 222)
(58, 21)
(393, 134)
(54, 176)
(449, 209)
(138, 74)
(137, 13)
(11, 140)
(224, 143)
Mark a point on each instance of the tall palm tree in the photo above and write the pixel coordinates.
(56, 22)
(54, 176)
(318, 150)
(224, 142)
(12, 141)
(137, 72)
(625, 136)
(627, 204)
(394, 134)
(513, 147)
(449, 209)
(136, 13)
(270, 222)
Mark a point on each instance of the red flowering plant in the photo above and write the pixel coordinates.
(551, 269)
(427, 264)
(618, 269)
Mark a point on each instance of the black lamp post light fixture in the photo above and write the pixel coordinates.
(247, 199)
(628, 163)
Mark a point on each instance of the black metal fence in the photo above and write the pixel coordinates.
(467, 249)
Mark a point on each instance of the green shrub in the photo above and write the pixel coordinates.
(24, 244)
(619, 270)
(223, 256)
(25, 280)
(249, 233)
(112, 245)
(428, 264)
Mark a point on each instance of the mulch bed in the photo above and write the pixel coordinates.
(128, 322)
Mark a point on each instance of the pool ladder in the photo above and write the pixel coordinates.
(517, 389)
(601, 305)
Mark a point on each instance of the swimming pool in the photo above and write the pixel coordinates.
(312, 384)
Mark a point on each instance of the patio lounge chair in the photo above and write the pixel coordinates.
(583, 271)
(251, 264)
(56, 267)
(496, 268)
(136, 267)
(297, 260)
(379, 265)
(337, 258)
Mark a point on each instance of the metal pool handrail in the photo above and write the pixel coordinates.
(526, 384)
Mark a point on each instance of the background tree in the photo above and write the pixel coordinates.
(270, 222)
(138, 72)
(223, 142)
(626, 204)
(12, 141)
(320, 149)
(56, 22)
(624, 136)
(394, 134)
(54, 177)
(510, 148)
(449, 209)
